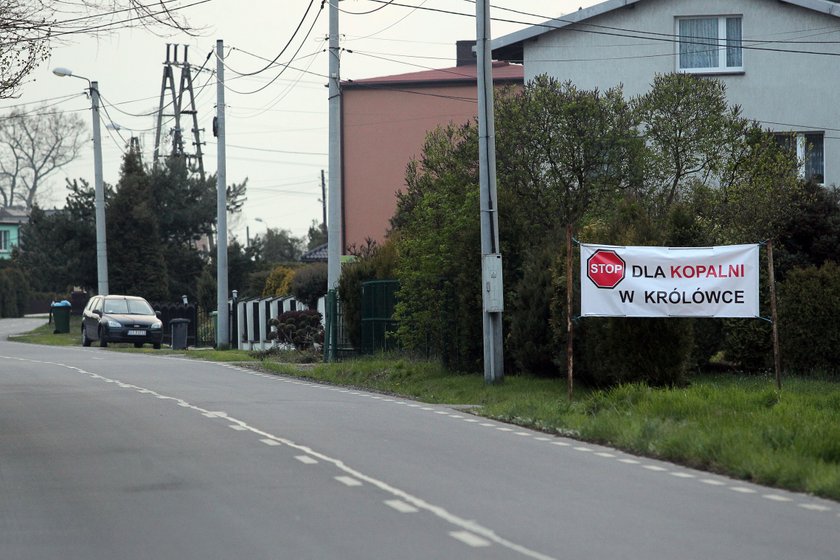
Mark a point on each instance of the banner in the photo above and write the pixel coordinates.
(669, 281)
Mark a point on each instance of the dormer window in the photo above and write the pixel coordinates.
(709, 45)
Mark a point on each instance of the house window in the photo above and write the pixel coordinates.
(808, 147)
(4, 241)
(709, 44)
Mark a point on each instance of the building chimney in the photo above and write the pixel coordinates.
(465, 54)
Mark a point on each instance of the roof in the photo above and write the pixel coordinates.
(510, 47)
(466, 74)
(13, 215)
(318, 254)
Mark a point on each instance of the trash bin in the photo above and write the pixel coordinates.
(179, 333)
(61, 315)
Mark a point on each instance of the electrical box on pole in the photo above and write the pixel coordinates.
(491, 274)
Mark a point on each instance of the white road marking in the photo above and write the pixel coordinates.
(306, 459)
(560, 443)
(441, 412)
(455, 416)
(471, 420)
(488, 425)
(629, 461)
(742, 489)
(469, 539)
(505, 429)
(585, 449)
(683, 475)
(348, 481)
(606, 455)
(401, 506)
(523, 434)
(777, 498)
(271, 442)
(712, 482)
(238, 428)
(814, 507)
(654, 468)
(542, 438)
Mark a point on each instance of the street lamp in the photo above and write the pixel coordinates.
(99, 188)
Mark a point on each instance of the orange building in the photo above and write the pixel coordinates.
(384, 124)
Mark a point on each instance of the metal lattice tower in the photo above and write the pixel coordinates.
(176, 109)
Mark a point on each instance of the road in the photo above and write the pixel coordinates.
(107, 455)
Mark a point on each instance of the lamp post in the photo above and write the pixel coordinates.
(99, 188)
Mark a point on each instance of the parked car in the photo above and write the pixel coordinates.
(116, 318)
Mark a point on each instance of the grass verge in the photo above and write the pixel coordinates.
(734, 425)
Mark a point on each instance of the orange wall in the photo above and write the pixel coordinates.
(381, 131)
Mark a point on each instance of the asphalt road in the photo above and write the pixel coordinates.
(106, 455)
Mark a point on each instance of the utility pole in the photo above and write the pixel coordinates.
(222, 332)
(334, 248)
(99, 196)
(491, 258)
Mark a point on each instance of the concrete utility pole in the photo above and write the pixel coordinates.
(99, 196)
(334, 247)
(491, 258)
(222, 332)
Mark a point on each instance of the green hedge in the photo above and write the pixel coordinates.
(809, 319)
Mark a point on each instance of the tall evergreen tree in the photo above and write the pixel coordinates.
(136, 262)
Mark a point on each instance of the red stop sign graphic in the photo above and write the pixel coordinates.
(605, 268)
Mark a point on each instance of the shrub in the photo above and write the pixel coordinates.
(14, 292)
(310, 283)
(373, 262)
(530, 341)
(279, 281)
(301, 329)
(809, 305)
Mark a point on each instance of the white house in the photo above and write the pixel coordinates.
(779, 59)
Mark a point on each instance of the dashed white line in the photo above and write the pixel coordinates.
(469, 539)
(238, 428)
(306, 459)
(814, 507)
(712, 482)
(777, 498)
(605, 455)
(584, 449)
(654, 468)
(348, 481)
(522, 434)
(271, 442)
(560, 444)
(679, 474)
(401, 506)
(505, 429)
(629, 461)
(742, 489)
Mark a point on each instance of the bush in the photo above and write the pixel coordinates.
(809, 307)
(373, 262)
(531, 344)
(279, 281)
(301, 329)
(310, 283)
(14, 292)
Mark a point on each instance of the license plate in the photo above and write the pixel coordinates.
(136, 333)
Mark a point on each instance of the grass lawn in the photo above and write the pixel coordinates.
(731, 424)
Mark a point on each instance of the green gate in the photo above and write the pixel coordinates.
(378, 300)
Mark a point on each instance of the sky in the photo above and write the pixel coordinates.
(276, 123)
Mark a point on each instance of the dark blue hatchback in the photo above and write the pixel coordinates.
(115, 318)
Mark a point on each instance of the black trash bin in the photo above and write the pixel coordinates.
(179, 333)
(61, 316)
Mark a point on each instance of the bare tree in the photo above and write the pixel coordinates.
(28, 27)
(32, 146)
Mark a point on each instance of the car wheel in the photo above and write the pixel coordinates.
(156, 345)
(138, 345)
(85, 339)
(103, 342)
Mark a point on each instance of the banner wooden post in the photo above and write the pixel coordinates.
(771, 279)
(569, 310)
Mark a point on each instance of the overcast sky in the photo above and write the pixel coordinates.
(276, 137)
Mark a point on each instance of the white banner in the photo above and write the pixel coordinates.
(669, 281)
